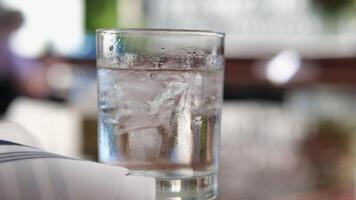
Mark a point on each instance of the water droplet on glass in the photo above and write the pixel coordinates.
(111, 47)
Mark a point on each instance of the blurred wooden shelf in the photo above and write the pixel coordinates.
(242, 78)
(336, 71)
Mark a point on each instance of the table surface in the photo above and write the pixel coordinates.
(249, 178)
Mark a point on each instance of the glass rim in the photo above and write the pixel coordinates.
(158, 31)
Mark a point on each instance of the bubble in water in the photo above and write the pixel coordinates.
(188, 50)
(198, 120)
(212, 119)
(111, 47)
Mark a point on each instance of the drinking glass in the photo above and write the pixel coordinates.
(159, 98)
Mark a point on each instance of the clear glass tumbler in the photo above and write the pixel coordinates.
(159, 98)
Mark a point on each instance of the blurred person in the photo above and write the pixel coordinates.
(17, 75)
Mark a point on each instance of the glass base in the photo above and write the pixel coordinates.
(199, 188)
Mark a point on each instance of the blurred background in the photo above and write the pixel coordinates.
(290, 83)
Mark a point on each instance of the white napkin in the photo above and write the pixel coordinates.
(32, 174)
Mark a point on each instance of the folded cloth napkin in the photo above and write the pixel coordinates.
(30, 173)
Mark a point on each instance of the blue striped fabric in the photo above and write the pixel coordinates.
(4, 142)
(22, 155)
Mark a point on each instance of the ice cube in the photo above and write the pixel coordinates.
(170, 95)
(145, 144)
(128, 123)
(150, 100)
